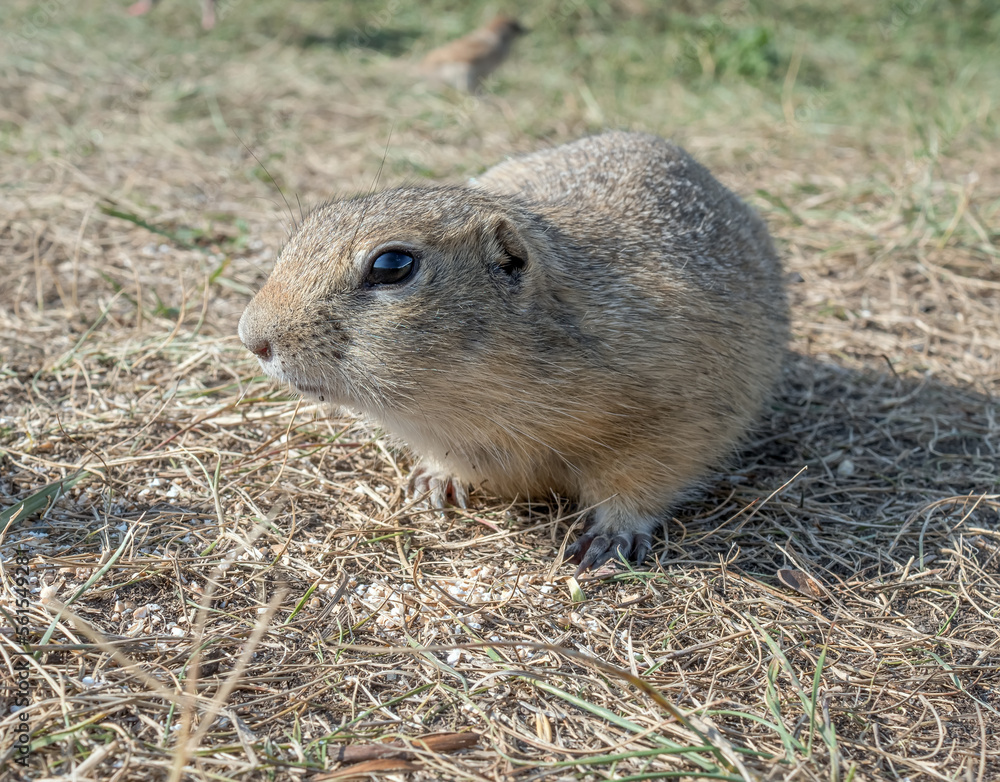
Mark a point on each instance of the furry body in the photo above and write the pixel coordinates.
(602, 319)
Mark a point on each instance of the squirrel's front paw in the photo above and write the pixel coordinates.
(439, 487)
(612, 535)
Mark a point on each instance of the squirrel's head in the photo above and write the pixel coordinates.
(379, 301)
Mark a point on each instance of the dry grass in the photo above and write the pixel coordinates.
(234, 587)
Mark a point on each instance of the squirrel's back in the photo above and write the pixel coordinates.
(620, 189)
(653, 240)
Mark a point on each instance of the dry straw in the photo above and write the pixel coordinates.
(229, 584)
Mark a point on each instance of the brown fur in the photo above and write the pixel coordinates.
(633, 349)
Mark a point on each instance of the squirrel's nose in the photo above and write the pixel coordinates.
(252, 333)
(259, 347)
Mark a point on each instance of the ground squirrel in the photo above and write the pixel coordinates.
(465, 63)
(602, 319)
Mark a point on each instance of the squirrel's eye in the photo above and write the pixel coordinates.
(390, 267)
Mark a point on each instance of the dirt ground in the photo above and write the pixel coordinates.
(220, 581)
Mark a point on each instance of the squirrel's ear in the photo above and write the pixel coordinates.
(514, 249)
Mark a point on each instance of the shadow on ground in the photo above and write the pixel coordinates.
(391, 42)
(894, 468)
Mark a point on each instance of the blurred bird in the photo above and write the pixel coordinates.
(466, 62)
(207, 11)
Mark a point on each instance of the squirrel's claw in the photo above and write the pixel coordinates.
(592, 549)
(440, 488)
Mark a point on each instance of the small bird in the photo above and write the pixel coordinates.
(466, 62)
(207, 11)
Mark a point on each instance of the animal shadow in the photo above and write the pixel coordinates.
(388, 41)
(868, 471)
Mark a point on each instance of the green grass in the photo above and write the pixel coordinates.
(880, 66)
